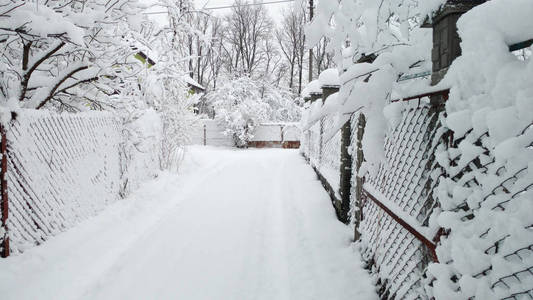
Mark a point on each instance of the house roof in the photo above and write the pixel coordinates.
(192, 82)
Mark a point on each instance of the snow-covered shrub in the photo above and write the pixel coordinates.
(159, 124)
(486, 198)
(243, 103)
(140, 149)
(283, 106)
(178, 123)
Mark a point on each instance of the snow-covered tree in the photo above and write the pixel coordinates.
(242, 103)
(239, 108)
(53, 51)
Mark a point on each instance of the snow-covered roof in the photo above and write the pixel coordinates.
(192, 82)
(305, 93)
(141, 48)
(329, 77)
(314, 87)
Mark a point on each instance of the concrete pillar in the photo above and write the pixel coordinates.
(446, 41)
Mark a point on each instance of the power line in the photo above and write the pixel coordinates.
(224, 7)
(248, 4)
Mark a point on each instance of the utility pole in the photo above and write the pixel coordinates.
(310, 49)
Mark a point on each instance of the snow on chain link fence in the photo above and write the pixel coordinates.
(322, 148)
(497, 213)
(397, 202)
(57, 170)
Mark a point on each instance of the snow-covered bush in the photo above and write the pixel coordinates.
(176, 110)
(242, 103)
(164, 86)
(140, 149)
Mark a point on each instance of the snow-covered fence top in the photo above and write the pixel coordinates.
(58, 170)
(287, 135)
(208, 132)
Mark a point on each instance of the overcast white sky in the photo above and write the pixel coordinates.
(275, 10)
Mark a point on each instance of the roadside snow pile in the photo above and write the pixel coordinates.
(487, 196)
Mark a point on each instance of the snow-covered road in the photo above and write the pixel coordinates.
(234, 224)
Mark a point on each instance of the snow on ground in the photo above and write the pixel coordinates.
(234, 224)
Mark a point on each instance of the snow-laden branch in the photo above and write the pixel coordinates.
(36, 62)
(51, 92)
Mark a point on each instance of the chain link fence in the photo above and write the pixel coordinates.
(59, 170)
(322, 147)
(396, 203)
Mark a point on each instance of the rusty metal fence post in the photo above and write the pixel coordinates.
(4, 204)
